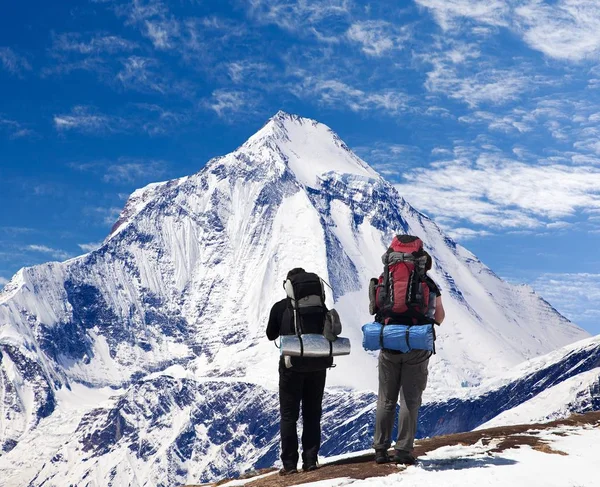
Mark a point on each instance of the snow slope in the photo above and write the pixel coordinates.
(577, 394)
(173, 426)
(567, 460)
(187, 276)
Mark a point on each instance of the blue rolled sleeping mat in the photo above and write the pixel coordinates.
(402, 338)
(313, 345)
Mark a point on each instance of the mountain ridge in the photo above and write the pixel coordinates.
(188, 274)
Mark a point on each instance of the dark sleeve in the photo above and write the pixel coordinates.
(433, 287)
(274, 321)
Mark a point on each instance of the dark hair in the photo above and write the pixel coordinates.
(294, 271)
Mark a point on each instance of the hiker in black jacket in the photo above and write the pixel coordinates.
(301, 380)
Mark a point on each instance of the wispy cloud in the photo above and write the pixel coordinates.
(54, 253)
(3, 281)
(461, 234)
(141, 10)
(162, 32)
(154, 20)
(148, 118)
(378, 37)
(227, 103)
(91, 43)
(156, 120)
(89, 247)
(495, 86)
(138, 74)
(390, 159)
(337, 93)
(134, 170)
(88, 120)
(104, 215)
(294, 15)
(12, 62)
(96, 52)
(449, 13)
(565, 29)
(245, 71)
(125, 170)
(44, 189)
(493, 191)
(514, 122)
(16, 230)
(576, 295)
(14, 129)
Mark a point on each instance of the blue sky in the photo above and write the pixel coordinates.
(486, 114)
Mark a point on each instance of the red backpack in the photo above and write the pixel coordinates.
(400, 295)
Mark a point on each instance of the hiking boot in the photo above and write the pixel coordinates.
(311, 467)
(404, 458)
(288, 471)
(381, 456)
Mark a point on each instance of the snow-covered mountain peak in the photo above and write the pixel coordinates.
(308, 148)
(185, 281)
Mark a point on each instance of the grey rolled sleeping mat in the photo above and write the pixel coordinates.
(313, 345)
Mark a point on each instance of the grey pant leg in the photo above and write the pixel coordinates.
(413, 381)
(389, 387)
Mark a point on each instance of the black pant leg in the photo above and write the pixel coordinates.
(312, 399)
(290, 395)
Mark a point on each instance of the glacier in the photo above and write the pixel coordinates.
(184, 282)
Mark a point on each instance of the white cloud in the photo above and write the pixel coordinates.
(496, 192)
(91, 44)
(90, 247)
(462, 234)
(576, 295)
(162, 33)
(246, 71)
(107, 216)
(500, 122)
(296, 15)
(54, 253)
(153, 19)
(137, 74)
(128, 171)
(377, 37)
(16, 230)
(495, 86)
(125, 170)
(448, 12)
(390, 159)
(337, 93)
(563, 29)
(559, 225)
(142, 117)
(226, 103)
(3, 281)
(140, 10)
(163, 120)
(15, 129)
(85, 119)
(13, 62)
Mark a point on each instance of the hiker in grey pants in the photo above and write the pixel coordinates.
(404, 375)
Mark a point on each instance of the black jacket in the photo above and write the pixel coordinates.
(299, 364)
(276, 318)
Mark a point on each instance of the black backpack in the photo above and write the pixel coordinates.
(306, 313)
